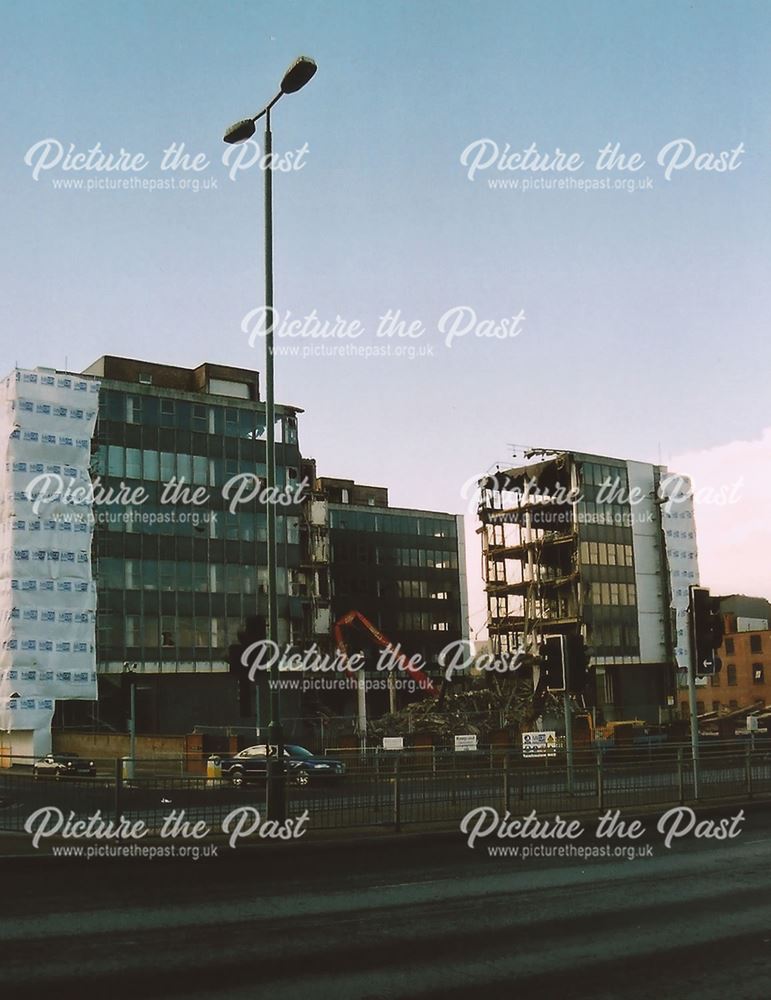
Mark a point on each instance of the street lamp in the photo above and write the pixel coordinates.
(298, 74)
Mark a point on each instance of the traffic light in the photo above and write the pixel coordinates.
(552, 652)
(253, 630)
(706, 631)
(578, 660)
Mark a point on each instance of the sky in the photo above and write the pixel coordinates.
(617, 322)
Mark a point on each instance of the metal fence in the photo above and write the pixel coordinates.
(398, 789)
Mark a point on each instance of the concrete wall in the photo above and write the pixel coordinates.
(104, 745)
(23, 746)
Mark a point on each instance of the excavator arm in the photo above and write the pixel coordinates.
(354, 617)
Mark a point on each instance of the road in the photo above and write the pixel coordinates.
(399, 917)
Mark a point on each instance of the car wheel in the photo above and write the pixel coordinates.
(302, 778)
(237, 777)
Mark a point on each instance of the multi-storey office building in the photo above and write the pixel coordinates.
(180, 566)
(403, 569)
(602, 546)
(180, 554)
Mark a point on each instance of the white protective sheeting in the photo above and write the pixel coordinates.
(47, 590)
(679, 527)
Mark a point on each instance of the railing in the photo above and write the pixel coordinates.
(392, 790)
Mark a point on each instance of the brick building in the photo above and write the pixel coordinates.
(745, 678)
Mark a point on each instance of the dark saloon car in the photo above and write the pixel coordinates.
(301, 765)
(63, 765)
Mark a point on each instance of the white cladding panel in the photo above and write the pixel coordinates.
(649, 581)
(47, 591)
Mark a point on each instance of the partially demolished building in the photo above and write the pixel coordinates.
(603, 547)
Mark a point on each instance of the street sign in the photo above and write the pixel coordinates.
(393, 742)
(466, 742)
(542, 744)
(752, 723)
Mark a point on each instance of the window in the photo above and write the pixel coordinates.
(133, 463)
(115, 465)
(757, 673)
(700, 708)
(729, 646)
(201, 633)
(733, 704)
(132, 630)
(199, 418)
(167, 574)
(714, 680)
(167, 466)
(731, 674)
(133, 409)
(167, 413)
(185, 468)
(715, 706)
(149, 571)
(199, 470)
(150, 459)
(756, 643)
(200, 581)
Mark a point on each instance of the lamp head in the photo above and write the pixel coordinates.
(241, 131)
(298, 74)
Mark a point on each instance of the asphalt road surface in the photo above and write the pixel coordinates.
(397, 917)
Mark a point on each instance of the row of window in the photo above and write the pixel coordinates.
(758, 675)
(150, 519)
(606, 554)
(613, 636)
(610, 593)
(362, 552)
(418, 557)
(756, 643)
(383, 521)
(230, 421)
(170, 575)
(389, 589)
(421, 621)
(167, 632)
(419, 589)
(595, 474)
(151, 466)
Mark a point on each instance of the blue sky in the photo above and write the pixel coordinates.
(645, 327)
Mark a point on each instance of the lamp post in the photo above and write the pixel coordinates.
(298, 74)
(130, 669)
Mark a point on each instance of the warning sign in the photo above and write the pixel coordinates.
(539, 744)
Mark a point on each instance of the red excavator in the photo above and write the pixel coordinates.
(401, 662)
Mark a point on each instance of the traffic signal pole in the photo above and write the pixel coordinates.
(694, 725)
(692, 659)
(568, 738)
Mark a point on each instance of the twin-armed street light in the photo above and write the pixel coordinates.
(298, 74)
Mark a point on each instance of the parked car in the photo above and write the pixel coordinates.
(63, 765)
(302, 766)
